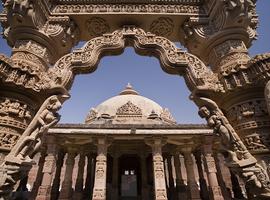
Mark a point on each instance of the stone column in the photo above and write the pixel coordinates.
(44, 191)
(203, 185)
(88, 182)
(115, 176)
(39, 175)
(171, 189)
(237, 190)
(225, 184)
(210, 167)
(145, 187)
(57, 175)
(158, 168)
(78, 194)
(181, 188)
(99, 190)
(66, 191)
(193, 190)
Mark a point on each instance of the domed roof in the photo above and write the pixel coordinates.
(129, 108)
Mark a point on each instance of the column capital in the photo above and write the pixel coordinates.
(103, 140)
(186, 150)
(155, 141)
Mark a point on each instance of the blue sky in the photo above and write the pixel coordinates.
(146, 76)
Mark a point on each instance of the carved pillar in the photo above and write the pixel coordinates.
(78, 194)
(99, 190)
(145, 187)
(115, 176)
(37, 41)
(193, 190)
(66, 190)
(180, 185)
(44, 191)
(210, 167)
(158, 168)
(203, 185)
(57, 175)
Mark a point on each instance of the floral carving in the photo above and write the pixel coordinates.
(162, 26)
(97, 26)
(129, 109)
(173, 60)
(130, 8)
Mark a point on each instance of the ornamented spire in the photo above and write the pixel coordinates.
(129, 90)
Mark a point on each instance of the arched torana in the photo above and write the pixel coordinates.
(199, 78)
(173, 60)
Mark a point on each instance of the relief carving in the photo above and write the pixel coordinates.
(163, 26)
(97, 26)
(18, 162)
(129, 109)
(130, 8)
(84, 60)
(237, 157)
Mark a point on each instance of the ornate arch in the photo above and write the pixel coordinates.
(173, 60)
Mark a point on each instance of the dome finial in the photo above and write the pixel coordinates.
(129, 90)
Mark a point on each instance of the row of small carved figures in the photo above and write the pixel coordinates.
(16, 108)
(8, 140)
(255, 143)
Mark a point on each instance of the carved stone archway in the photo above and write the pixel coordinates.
(199, 78)
(173, 60)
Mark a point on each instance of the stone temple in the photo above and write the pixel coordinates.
(115, 151)
(130, 147)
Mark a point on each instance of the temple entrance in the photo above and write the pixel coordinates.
(130, 177)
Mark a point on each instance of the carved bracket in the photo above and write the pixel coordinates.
(18, 162)
(237, 157)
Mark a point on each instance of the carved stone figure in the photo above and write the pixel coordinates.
(18, 161)
(238, 159)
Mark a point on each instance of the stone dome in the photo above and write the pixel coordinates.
(129, 108)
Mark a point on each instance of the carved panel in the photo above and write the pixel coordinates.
(97, 26)
(129, 109)
(163, 26)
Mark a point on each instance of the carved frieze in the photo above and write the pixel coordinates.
(249, 114)
(127, 8)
